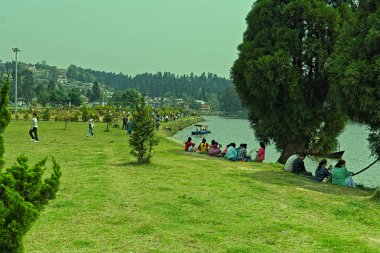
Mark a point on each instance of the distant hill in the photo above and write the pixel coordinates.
(156, 85)
(38, 81)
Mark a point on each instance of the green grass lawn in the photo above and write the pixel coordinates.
(184, 202)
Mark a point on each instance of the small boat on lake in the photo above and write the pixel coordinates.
(200, 130)
(334, 155)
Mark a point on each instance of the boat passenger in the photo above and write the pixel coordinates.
(214, 149)
(189, 145)
(203, 146)
(322, 173)
(341, 176)
(231, 153)
(299, 166)
(260, 153)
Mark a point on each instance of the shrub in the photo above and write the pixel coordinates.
(46, 114)
(26, 116)
(24, 190)
(376, 195)
(143, 137)
(85, 114)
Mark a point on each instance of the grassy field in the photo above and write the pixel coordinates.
(184, 202)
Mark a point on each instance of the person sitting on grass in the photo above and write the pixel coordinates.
(322, 173)
(203, 146)
(231, 153)
(214, 149)
(260, 153)
(225, 150)
(189, 145)
(289, 162)
(242, 153)
(341, 176)
(299, 166)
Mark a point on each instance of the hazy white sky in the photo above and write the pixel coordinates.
(129, 36)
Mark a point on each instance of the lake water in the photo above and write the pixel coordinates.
(353, 140)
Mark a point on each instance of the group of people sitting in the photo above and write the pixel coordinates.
(338, 175)
(231, 152)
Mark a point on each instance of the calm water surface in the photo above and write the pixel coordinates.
(353, 140)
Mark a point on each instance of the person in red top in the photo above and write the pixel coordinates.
(260, 153)
(189, 145)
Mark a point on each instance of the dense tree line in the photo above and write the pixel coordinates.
(46, 90)
(156, 85)
(208, 87)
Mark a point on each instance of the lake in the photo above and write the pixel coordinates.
(353, 140)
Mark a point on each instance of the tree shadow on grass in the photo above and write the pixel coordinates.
(129, 164)
(285, 179)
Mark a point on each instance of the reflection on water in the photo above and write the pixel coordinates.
(353, 140)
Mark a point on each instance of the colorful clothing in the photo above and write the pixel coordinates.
(214, 150)
(231, 154)
(203, 147)
(189, 144)
(261, 154)
(341, 176)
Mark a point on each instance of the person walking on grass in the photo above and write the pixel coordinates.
(90, 127)
(33, 129)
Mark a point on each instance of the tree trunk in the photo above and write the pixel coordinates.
(290, 149)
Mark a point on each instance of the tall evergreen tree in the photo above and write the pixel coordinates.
(143, 137)
(95, 94)
(282, 73)
(27, 86)
(356, 69)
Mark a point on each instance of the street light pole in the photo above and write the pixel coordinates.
(16, 50)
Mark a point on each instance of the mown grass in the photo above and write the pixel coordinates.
(184, 202)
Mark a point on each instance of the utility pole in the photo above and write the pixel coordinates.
(16, 50)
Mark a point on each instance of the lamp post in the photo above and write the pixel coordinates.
(16, 50)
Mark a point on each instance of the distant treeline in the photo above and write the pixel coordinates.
(218, 92)
(156, 85)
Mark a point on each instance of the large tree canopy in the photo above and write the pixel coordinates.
(356, 71)
(282, 74)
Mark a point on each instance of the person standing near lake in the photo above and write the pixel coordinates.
(341, 176)
(90, 127)
(34, 128)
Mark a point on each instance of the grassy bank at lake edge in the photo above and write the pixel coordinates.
(184, 202)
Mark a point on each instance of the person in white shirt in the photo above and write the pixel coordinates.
(33, 129)
(289, 163)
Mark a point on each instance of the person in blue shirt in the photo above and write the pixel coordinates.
(322, 172)
(231, 152)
